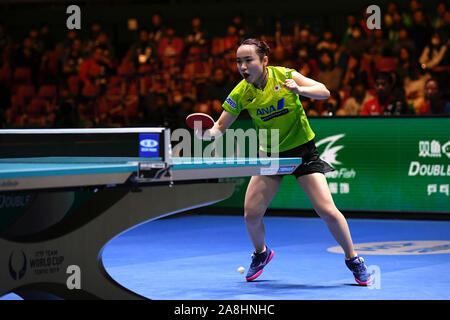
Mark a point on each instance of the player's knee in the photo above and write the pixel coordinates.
(253, 214)
(329, 214)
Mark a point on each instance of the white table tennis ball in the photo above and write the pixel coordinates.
(241, 269)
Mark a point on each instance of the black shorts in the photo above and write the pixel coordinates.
(311, 162)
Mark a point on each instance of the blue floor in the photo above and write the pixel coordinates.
(196, 257)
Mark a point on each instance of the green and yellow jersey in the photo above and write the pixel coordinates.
(275, 107)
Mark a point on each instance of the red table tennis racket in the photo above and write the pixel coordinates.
(206, 121)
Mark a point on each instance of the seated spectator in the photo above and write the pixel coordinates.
(391, 10)
(27, 56)
(406, 61)
(355, 70)
(283, 40)
(313, 40)
(301, 37)
(414, 5)
(332, 106)
(38, 114)
(72, 61)
(231, 39)
(241, 28)
(157, 28)
(187, 105)
(50, 68)
(104, 43)
(197, 35)
(66, 115)
(178, 110)
(379, 45)
(329, 74)
(66, 44)
(351, 22)
(38, 44)
(358, 41)
(93, 73)
(310, 107)
(304, 63)
(45, 37)
(434, 103)
(439, 18)
(170, 48)
(435, 54)
(413, 85)
(444, 29)
(279, 57)
(143, 51)
(196, 63)
(420, 30)
(386, 100)
(359, 95)
(218, 90)
(154, 109)
(404, 41)
(196, 72)
(91, 42)
(304, 68)
(326, 40)
(394, 30)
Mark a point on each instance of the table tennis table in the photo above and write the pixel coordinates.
(65, 193)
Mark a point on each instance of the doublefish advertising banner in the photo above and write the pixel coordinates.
(381, 164)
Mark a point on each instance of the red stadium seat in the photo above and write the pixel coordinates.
(24, 94)
(386, 64)
(114, 81)
(90, 90)
(47, 91)
(132, 89)
(73, 82)
(5, 74)
(36, 107)
(217, 46)
(126, 69)
(22, 75)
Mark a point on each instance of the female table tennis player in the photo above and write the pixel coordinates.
(264, 86)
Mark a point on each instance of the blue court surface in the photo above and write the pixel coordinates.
(197, 256)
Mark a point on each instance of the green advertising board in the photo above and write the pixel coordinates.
(381, 164)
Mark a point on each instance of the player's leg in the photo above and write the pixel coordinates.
(260, 192)
(316, 187)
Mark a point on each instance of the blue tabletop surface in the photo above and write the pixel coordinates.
(36, 167)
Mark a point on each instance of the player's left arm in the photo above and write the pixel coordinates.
(307, 87)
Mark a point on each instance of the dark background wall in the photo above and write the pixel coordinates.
(19, 15)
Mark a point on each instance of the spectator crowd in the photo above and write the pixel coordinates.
(167, 73)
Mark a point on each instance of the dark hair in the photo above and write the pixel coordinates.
(433, 79)
(385, 76)
(262, 48)
(330, 55)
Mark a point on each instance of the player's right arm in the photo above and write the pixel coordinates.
(232, 106)
(226, 119)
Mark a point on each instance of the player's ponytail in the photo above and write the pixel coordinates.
(262, 48)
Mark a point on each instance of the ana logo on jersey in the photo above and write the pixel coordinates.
(271, 111)
(276, 88)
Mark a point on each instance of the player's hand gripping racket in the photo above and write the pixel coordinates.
(201, 122)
